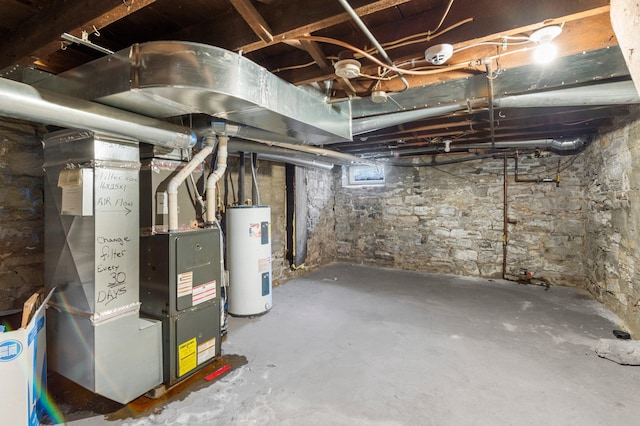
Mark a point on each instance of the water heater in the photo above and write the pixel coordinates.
(249, 259)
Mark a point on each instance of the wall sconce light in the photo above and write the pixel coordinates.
(545, 51)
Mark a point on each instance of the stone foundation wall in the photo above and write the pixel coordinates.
(612, 249)
(320, 220)
(449, 219)
(21, 213)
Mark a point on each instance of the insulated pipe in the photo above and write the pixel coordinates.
(214, 177)
(176, 181)
(25, 102)
(371, 38)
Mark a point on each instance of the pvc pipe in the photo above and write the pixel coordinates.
(176, 181)
(215, 177)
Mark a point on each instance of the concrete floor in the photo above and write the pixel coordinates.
(351, 345)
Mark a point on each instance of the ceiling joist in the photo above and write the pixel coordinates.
(39, 36)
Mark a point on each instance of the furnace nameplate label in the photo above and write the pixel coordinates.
(187, 356)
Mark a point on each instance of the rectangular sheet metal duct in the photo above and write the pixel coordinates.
(167, 79)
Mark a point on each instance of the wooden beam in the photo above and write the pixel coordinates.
(297, 19)
(366, 9)
(584, 30)
(252, 17)
(40, 34)
(317, 54)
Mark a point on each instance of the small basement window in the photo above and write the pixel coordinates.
(362, 175)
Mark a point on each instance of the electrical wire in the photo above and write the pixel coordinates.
(491, 43)
(446, 13)
(422, 37)
(382, 64)
(293, 67)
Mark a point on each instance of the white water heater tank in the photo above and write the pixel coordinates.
(249, 259)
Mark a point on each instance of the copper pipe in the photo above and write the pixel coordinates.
(505, 231)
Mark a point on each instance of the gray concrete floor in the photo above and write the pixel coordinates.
(351, 345)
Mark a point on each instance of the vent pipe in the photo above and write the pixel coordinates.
(215, 177)
(176, 181)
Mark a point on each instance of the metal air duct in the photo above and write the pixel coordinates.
(29, 103)
(315, 164)
(170, 78)
(621, 92)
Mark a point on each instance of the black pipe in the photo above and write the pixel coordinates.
(241, 173)
(556, 180)
(255, 196)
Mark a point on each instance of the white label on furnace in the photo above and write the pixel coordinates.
(206, 350)
(185, 284)
(204, 292)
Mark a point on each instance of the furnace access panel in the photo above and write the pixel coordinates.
(180, 275)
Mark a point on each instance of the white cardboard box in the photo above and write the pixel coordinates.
(23, 370)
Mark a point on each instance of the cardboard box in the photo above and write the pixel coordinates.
(23, 368)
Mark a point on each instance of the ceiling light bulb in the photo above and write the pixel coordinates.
(545, 53)
(447, 146)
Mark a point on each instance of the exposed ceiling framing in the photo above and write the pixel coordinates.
(300, 41)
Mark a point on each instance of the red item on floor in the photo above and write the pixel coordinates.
(220, 371)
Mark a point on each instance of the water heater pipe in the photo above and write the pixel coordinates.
(215, 177)
(176, 181)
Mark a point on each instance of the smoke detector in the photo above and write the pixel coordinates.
(438, 54)
(379, 96)
(347, 68)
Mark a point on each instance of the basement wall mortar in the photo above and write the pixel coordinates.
(21, 213)
(449, 219)
(612, 251)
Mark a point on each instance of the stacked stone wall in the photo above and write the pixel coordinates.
(449, 219)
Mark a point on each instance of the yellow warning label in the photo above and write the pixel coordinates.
(187, 356)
